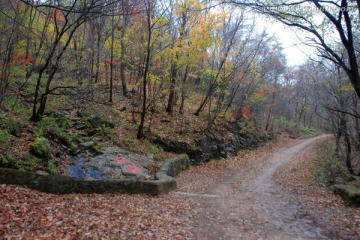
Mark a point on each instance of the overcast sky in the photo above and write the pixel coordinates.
(294, 49)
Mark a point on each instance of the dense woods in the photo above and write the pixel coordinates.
(186, 59)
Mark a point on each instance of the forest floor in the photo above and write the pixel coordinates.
(268, 193)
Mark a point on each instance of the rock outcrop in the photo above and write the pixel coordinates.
(210, 147)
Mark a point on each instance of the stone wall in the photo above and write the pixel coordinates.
(164, 182)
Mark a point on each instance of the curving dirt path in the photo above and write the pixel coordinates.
(249, 205)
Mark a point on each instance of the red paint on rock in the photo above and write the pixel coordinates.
(123, 160)
(133, 168)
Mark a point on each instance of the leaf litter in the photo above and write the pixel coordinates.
(29, 214)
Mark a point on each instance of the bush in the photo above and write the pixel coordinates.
(52, 168)
(4, 139)
(16, 105)
(293, 128)
(63, 122)
(3, 122)
(35, 160)
(10, 126)
(41, 147)
(49, 127)
(331, 169)
(5, 161)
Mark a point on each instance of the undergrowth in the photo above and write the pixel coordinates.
(72, 120)
(296, 129)
(330, 169)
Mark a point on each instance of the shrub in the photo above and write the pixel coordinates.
(46, 126)
(331, 169)
(63, 122)
(288, 125)
(41, 147)
(52, 168)
(3, 122)
(24, 166)
(16, 105)
(5, 160)
(4, 139)
(35, 160)
(293, 128)
(9, 126)
(49, 127)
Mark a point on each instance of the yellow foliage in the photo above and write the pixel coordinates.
(347, 88)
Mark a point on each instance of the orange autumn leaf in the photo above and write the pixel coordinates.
(246, 112)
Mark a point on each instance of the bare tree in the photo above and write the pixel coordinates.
(338, 16)
(13, 18)
(149, 7)
(67, 17)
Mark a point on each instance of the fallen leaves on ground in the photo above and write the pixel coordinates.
(28, 214)
(329, 209)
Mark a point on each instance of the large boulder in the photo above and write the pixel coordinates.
(113, 163)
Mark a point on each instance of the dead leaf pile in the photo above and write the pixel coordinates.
(28, 214)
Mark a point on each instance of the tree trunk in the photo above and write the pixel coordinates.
(38, 113)
(183, 96)
(207, 97)
(112, 60)
(98, 55)
(348, 150)
(171, 100)
(122, 56)
(6, 60)
(140, 133)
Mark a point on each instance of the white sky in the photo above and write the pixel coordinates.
(294, 50)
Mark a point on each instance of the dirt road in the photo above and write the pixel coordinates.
(249, 205)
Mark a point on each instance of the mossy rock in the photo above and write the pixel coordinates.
(349, 193)
(79, 126)
(96, 122)
(41, 147)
